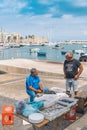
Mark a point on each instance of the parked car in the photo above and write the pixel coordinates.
(83, 58)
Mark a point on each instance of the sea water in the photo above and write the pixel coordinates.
(53, 55)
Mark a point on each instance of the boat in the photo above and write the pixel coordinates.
(41, 53)
(34, 50)
(78, 51)
(6, 45)
(42, 44)
(14, 45)
(63, 52)
(84, 46)
(57, 46)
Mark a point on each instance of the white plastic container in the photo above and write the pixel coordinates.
(36, 118)
(50, 99)
(54, 111)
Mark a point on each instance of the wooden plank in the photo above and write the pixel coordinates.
(37, 124)
(42, 123)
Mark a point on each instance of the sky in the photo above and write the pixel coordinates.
(55, 19)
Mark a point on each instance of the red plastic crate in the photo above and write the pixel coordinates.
(71, 115)
(8, 115)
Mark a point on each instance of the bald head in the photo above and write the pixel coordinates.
(69, 55)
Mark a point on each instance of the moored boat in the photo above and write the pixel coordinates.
(78, 51)
(41, 53)
(63, 52)
(34, 50)
(84, 46)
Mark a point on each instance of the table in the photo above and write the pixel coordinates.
(44, 122)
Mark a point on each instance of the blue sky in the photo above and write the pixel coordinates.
(55, 19)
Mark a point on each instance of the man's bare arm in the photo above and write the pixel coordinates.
(35, 90)
(79, 72)
(64, 72)
(41, 85)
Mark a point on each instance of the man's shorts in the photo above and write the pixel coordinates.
(71, 84)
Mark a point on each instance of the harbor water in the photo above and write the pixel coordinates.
(52, 54)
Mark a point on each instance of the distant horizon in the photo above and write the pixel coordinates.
(56, 19)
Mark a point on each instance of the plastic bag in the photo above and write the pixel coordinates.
(28, 108)
(20, 105)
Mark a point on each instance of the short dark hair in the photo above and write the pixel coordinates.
(33, 70)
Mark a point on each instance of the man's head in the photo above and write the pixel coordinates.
(34, 71)
(69, 55)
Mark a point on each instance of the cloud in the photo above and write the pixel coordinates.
(55, 19)
(11, 6)
(56, 8)
(81, 3)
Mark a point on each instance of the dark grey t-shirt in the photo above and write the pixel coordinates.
(71, 68)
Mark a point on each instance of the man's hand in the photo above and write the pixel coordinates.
(65, 76)
(39, 91)
(76, 76)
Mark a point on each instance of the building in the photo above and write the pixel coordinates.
(3, 37)
(15, 37)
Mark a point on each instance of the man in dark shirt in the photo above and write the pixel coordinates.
(72, 71)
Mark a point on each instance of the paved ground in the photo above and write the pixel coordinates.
(43, 66)
(12, 86)
(78, 125)
(18, 123)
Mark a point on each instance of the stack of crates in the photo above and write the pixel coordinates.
(82, 102)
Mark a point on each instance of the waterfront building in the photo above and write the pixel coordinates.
(3, 37)
(76, 41)
(34, 39)
(15, 37)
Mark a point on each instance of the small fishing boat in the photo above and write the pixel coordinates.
(42, 44)
(41, 53)
(34, 50)
(63, 52)
(78, 51)
(15, 45)
(84, 46)
(57, 46)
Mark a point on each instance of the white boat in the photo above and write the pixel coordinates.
(79, 51)
(84, 46)
(6, 46)
(57, 46)
(34, 50)
(14, 45)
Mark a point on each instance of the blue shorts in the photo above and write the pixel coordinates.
(71, 83)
